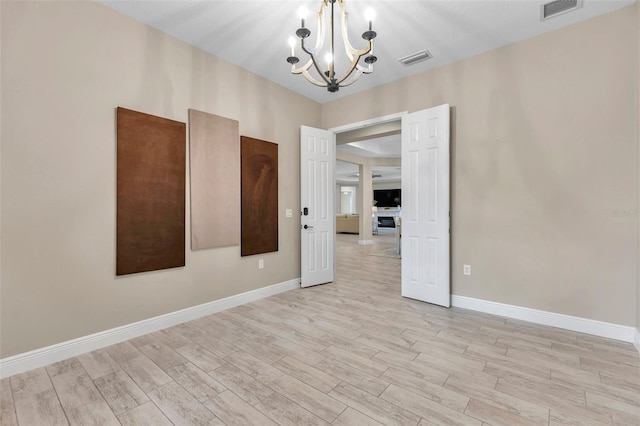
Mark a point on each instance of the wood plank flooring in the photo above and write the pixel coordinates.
(348, 353)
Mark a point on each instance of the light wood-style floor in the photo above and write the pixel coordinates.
(348, 353)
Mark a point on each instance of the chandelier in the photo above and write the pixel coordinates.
(328, 77)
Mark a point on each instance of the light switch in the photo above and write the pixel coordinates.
(288, 213)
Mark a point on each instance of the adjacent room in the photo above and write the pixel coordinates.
(414, 213)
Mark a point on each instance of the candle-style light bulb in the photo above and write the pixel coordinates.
(302, 13)
(370, 34)
(369, 15)
(292, 43)
(328, 58)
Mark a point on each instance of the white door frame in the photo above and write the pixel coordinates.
(366, 123)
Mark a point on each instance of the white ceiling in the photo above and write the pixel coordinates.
(254, 34)
(383, 147)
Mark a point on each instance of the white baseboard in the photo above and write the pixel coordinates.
(61, 351)
(582, 325)
(636, 339)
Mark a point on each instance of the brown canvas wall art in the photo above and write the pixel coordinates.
(214, 153)
(151, 167)
(259, 175)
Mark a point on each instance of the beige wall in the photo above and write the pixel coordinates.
(65, 68)
(543, 147)
(387, 185)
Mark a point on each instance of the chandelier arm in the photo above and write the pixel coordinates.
(353, 54)
(365, 70)
(321, 28)
(315, 64)
(312, 80)
(312, 60)
(343, 29)
(304, 70)
(354, 65)
(348, 72)
(349, 49)
(299, 70)
(351, 79)
(332, 73)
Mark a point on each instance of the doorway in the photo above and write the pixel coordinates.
(372, 149)
(425, 227)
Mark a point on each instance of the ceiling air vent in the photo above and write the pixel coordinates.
(414, 58)
(558, 7)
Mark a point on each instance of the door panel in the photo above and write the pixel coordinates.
(425, 209)
(317, 226)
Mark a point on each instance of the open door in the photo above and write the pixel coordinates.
(425, 206)
(317, 220)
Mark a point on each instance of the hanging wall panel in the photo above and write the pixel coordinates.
(214, 151)
(151, 167)
(259, 165)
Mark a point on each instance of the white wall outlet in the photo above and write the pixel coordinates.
(466, 269)
(260, 263)
(288, 213)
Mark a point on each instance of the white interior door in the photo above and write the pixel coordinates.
(317, 220)
(425, 206)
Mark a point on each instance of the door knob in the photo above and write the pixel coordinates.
(308, 227)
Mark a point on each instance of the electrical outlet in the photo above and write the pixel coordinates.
(260, 263)
(466, 269)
